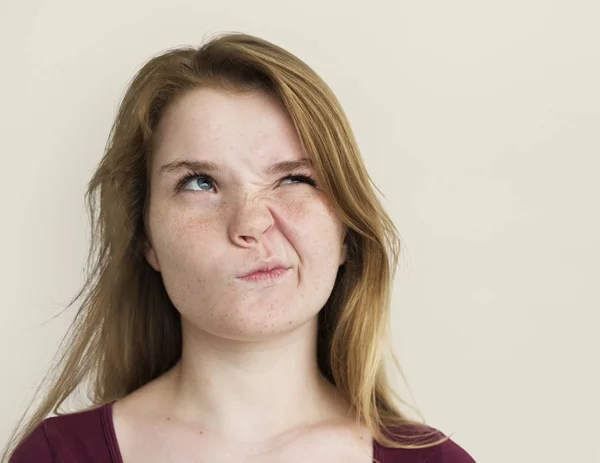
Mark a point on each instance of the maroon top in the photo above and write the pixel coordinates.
(89, 437)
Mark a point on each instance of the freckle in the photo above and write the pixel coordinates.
(290, 322)
(203, 433)
(168, 417)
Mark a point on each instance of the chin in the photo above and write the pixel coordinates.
(259, 328)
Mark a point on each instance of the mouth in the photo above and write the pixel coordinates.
(265, 275)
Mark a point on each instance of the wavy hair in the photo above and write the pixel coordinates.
(127, 331)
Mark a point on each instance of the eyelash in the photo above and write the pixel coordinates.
(183, 181)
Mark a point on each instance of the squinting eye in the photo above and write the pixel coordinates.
(305, 178)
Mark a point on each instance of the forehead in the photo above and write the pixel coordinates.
(215, 121)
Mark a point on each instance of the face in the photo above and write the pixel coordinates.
(207, 226)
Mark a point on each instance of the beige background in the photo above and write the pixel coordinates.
(478, 120)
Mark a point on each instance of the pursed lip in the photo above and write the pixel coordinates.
(265, 266)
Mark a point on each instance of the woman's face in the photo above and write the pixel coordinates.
(205, 231)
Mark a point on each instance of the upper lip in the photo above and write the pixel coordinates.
(264, 266)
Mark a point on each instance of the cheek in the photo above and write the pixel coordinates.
(315, 224)
(315, 233)
(178, 240)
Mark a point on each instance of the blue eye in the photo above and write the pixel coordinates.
(208, 179)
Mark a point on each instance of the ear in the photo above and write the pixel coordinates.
(344, 252)
(151, 257)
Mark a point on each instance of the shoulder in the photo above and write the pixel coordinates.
(81, 435)
(446, 452)
(35, 447)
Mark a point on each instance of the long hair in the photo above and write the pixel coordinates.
(127, 331)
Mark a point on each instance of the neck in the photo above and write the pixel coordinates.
(254, 390)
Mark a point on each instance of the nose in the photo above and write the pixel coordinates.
(251, 218)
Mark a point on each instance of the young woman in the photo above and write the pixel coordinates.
(237, 307)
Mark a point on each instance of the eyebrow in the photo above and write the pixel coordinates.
(207, 166)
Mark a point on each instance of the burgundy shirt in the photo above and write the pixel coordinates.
(89, 437)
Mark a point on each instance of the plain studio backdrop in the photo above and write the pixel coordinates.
(480, 123)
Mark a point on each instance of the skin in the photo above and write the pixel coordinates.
(248, 377)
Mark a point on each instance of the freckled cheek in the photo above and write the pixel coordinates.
(312, 223)
(178, 238)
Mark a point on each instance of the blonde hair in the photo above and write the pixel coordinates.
(127, 331)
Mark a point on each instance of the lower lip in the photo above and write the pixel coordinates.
(273, 275)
